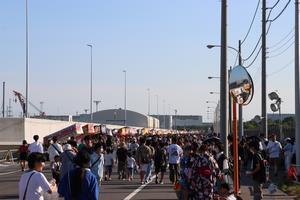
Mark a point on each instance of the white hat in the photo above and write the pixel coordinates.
(67, 147)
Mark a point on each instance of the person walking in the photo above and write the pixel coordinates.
(121, 157)
(54, 149)
(80, 183)
(175, 152)
(23, 150)
(67, 160)
(274, 148)
(288, 153)
(204, 172)
(97, 162)
(143, 156)
(257, 171)
(33, 183)
(108, 163)
(36, 146)
(160, 162)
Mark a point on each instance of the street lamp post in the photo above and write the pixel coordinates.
(125, 98)
(214, 92)
(27, 70)
(148, 90)
(91, 84)
(175, 120)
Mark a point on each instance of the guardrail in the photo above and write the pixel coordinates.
(9, 155)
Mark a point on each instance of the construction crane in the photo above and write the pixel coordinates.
(22, 100)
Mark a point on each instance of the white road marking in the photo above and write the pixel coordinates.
(7, 173)
(135, 192)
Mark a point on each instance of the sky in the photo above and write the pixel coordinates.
(160, 43)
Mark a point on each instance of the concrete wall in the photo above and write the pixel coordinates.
(14, 130)
(42, 128)
(11, 131)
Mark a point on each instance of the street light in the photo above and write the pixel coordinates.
(27, 97)
(210, 46)
(214, 92)
(212, 102)
(125, 106)
(212, 77)
(91, 86)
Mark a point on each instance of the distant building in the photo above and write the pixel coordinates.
(117, 117)
(180, 121)
(276, 116)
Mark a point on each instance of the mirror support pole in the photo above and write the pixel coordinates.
(241, 125)
(235, 149)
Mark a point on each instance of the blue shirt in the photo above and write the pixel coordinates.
(89, 187)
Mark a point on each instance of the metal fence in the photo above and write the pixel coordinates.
(9, 155)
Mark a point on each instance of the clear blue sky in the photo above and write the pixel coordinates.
(161, 43)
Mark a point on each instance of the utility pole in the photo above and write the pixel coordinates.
(297, 85)
(3, 101)
(264, 124)
(224, 77)
(27, 97)
(240, 125)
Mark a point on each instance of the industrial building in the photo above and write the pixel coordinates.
(179, 121)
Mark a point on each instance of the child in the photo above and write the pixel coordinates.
(108, 163)
(55, 168)
(130, 166)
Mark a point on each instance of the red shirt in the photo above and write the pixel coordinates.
(23, 149)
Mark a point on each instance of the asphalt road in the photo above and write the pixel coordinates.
(110, 190)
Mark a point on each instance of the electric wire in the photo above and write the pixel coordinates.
(282, 51)
(282, 68)
(254, 59)
(272, 20)
(280, 41)
(252, 21)
(283, 45)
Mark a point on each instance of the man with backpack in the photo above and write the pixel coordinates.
(143, 156)
(258, 170)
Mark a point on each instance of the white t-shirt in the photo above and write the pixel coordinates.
(274, 149)
(175, 152)
(37, 185)
(36, 147)
(53, 152)
(130, 162)
(108, 159)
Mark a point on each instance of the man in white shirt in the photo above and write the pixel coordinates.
(54, 149)
(274, 148)
(36, 146)
(174, 153)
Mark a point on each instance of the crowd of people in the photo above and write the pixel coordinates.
(198, 166)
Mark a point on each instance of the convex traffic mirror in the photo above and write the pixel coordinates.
(241, 86)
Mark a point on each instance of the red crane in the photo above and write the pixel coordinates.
(22, 100)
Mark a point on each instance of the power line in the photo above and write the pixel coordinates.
(275, 5)
(252, 21)
(255, 48)
(279, 42)
(286, 5)
(282, 51)
(284, 44)
(282, 68)
(254, 59)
